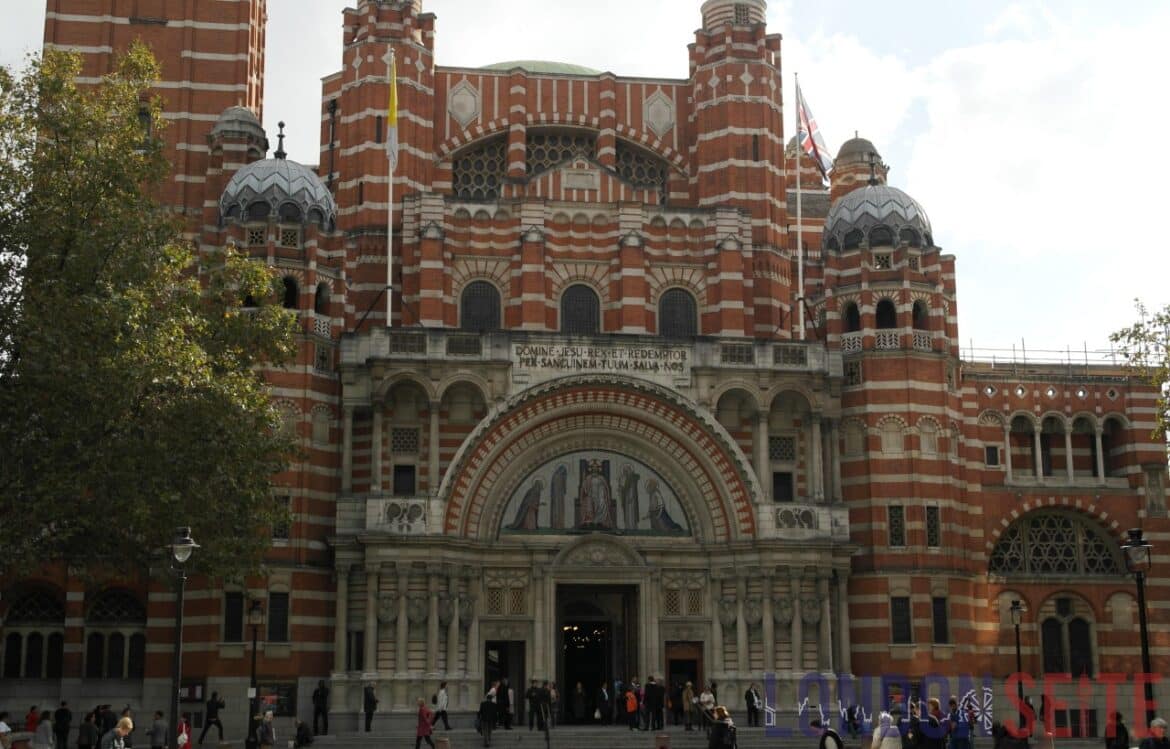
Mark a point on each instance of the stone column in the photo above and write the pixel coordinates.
(768, 625)
(433, 621)
(797, 634)
(818, 463)
(1068, 454)
(825, 633)
(473, 645)
(654, 617)
(835, 452)
(376, 451)
(741, 628)
(341, 618)
(402, 639)
(1037, 455)
(844, 658)
(1100, 456)
(453, 626)
(763, 461)
(715, 593)
(433, 445)
(370, 664)
(347, 449)
(1007, 451)
(538, 621)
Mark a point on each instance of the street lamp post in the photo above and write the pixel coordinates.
(182, 547)
(255, 618)
(1017, 612)
(1139, 560)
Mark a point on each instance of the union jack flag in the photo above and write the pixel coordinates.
(810, 137)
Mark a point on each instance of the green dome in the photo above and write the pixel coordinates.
(544, 67)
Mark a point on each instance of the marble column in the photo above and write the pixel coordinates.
(763, 461)
(376, 452)
(433, 452)
(370, 664)
(1007, 451)
(741, 627)
(341, 618)
(818, 461)
(1037, 455)
(1100, 456)
(347, 449)
(825, 633)
(432, 621)
(768, 626)
(716, 592)
(402, 639)
(656, 660)
(797, 634)
(538, 619)
(473, 644)
(453, 626)
(1068, 454)
(844, 642)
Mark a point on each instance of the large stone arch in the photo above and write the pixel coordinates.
(667, 432)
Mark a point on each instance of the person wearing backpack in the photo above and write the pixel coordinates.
(722, 734)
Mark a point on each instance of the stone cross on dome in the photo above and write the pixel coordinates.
(280, 153)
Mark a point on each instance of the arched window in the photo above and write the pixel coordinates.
(909, 236)
(115, 618)
(479, 307)
(1052, 645)
(580, 311)
(852, 318)
(1054, 543)
(13, 644)
(136, 660)
(677, 314)
(321, 299)
(887, 315)
(290, 213)
(1080, 647)
(1066, 640)
(34, 655)
(258, 210)
(115, 656)
(920, 315)
(291, 292)
(95, 655)
(853, 240)
(880, 236)
(34, 645)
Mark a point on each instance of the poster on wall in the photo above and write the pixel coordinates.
(595, 490)
(280, 698)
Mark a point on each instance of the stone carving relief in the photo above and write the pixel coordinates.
(505, 630)
(658, 114)
(466, 609)
(782, 610)
(810, 610)
(683, 580)
(803, 518)
(388, 609)
(446, 608)
(727, 611)
(416, 608)
(753, 611)
(596, 555)
(463, 103)
(506, 579)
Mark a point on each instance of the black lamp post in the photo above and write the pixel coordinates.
(256, 619)
(182, 547)
(1017, 612)
(1138, 560)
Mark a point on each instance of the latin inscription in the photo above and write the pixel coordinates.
(647, 361)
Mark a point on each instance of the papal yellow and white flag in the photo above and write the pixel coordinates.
(392, 115)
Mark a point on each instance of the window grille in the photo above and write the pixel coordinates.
(464, 345)
(408, 343)
(479, 309)
(677, 314)
(278, 617)
(641, 168)
(743, 14)
(940, 625)
(851, 343)
(323, 358)
(478, 172)
(290, 238)
(233, 617)
(695, 602)
(580, 311)
(896, 522)
(671, 604)
(933, 527)
(35, 607)
(901, 625)
(853, 376)
(404, 440)
(737, 353)
(495, 601)
(283, 525)
(257, 236)
(790, 356)
(116, 607)
(912, 261)
(1053, 543)
(516, 605)
(550, 149)
(782, 449)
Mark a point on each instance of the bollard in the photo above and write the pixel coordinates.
(662, 741)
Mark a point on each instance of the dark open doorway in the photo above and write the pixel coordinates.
(597, 630)
(504, 659)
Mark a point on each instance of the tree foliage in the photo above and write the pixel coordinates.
(131, 399)
(1146, 346)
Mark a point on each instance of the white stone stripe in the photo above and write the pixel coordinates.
(81, 48)
(214, 56)
(178, 84)
(125, 21)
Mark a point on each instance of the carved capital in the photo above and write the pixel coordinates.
(727, 611)
(810, 610)
(446, 609)
(388, 609)
(753, 611)
(782, 610)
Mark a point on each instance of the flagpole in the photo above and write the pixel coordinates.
(799, 218)
(390, 165)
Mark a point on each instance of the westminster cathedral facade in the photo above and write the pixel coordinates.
(579, 421)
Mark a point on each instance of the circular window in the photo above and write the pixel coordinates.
(1112, 394)
(990, 390)
(1082, 393)
(1050, 392)
(1021, 391)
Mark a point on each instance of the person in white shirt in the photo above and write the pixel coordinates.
(5, 731)
(441, 703)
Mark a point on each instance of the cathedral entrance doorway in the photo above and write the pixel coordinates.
(597, 639)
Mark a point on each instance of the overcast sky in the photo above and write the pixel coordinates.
(1033, 133)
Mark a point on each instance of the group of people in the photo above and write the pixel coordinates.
(101, 728)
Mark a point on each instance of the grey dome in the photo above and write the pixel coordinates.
(856, 151)
(879, 215)
(239, 121)
(280, 187)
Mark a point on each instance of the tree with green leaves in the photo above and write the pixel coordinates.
(132, 398)
(1146, 347)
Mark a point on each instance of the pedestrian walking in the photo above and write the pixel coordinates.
(441, 700)
(158, 731)
(5, 731)
(886, 735)
(423, 726)
(369, 704)
(266, 733)
(43, 737)
(115, 738)
(321, 708)
(211, 717)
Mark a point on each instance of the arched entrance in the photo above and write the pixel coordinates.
(597, 642)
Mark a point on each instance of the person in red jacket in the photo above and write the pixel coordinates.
(424, 725)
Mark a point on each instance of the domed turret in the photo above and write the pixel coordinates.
(237, 122)
(291, 191)
(879, 215)
(858, 163)
(738, 12)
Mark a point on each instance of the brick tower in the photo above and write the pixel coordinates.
(212, 57)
